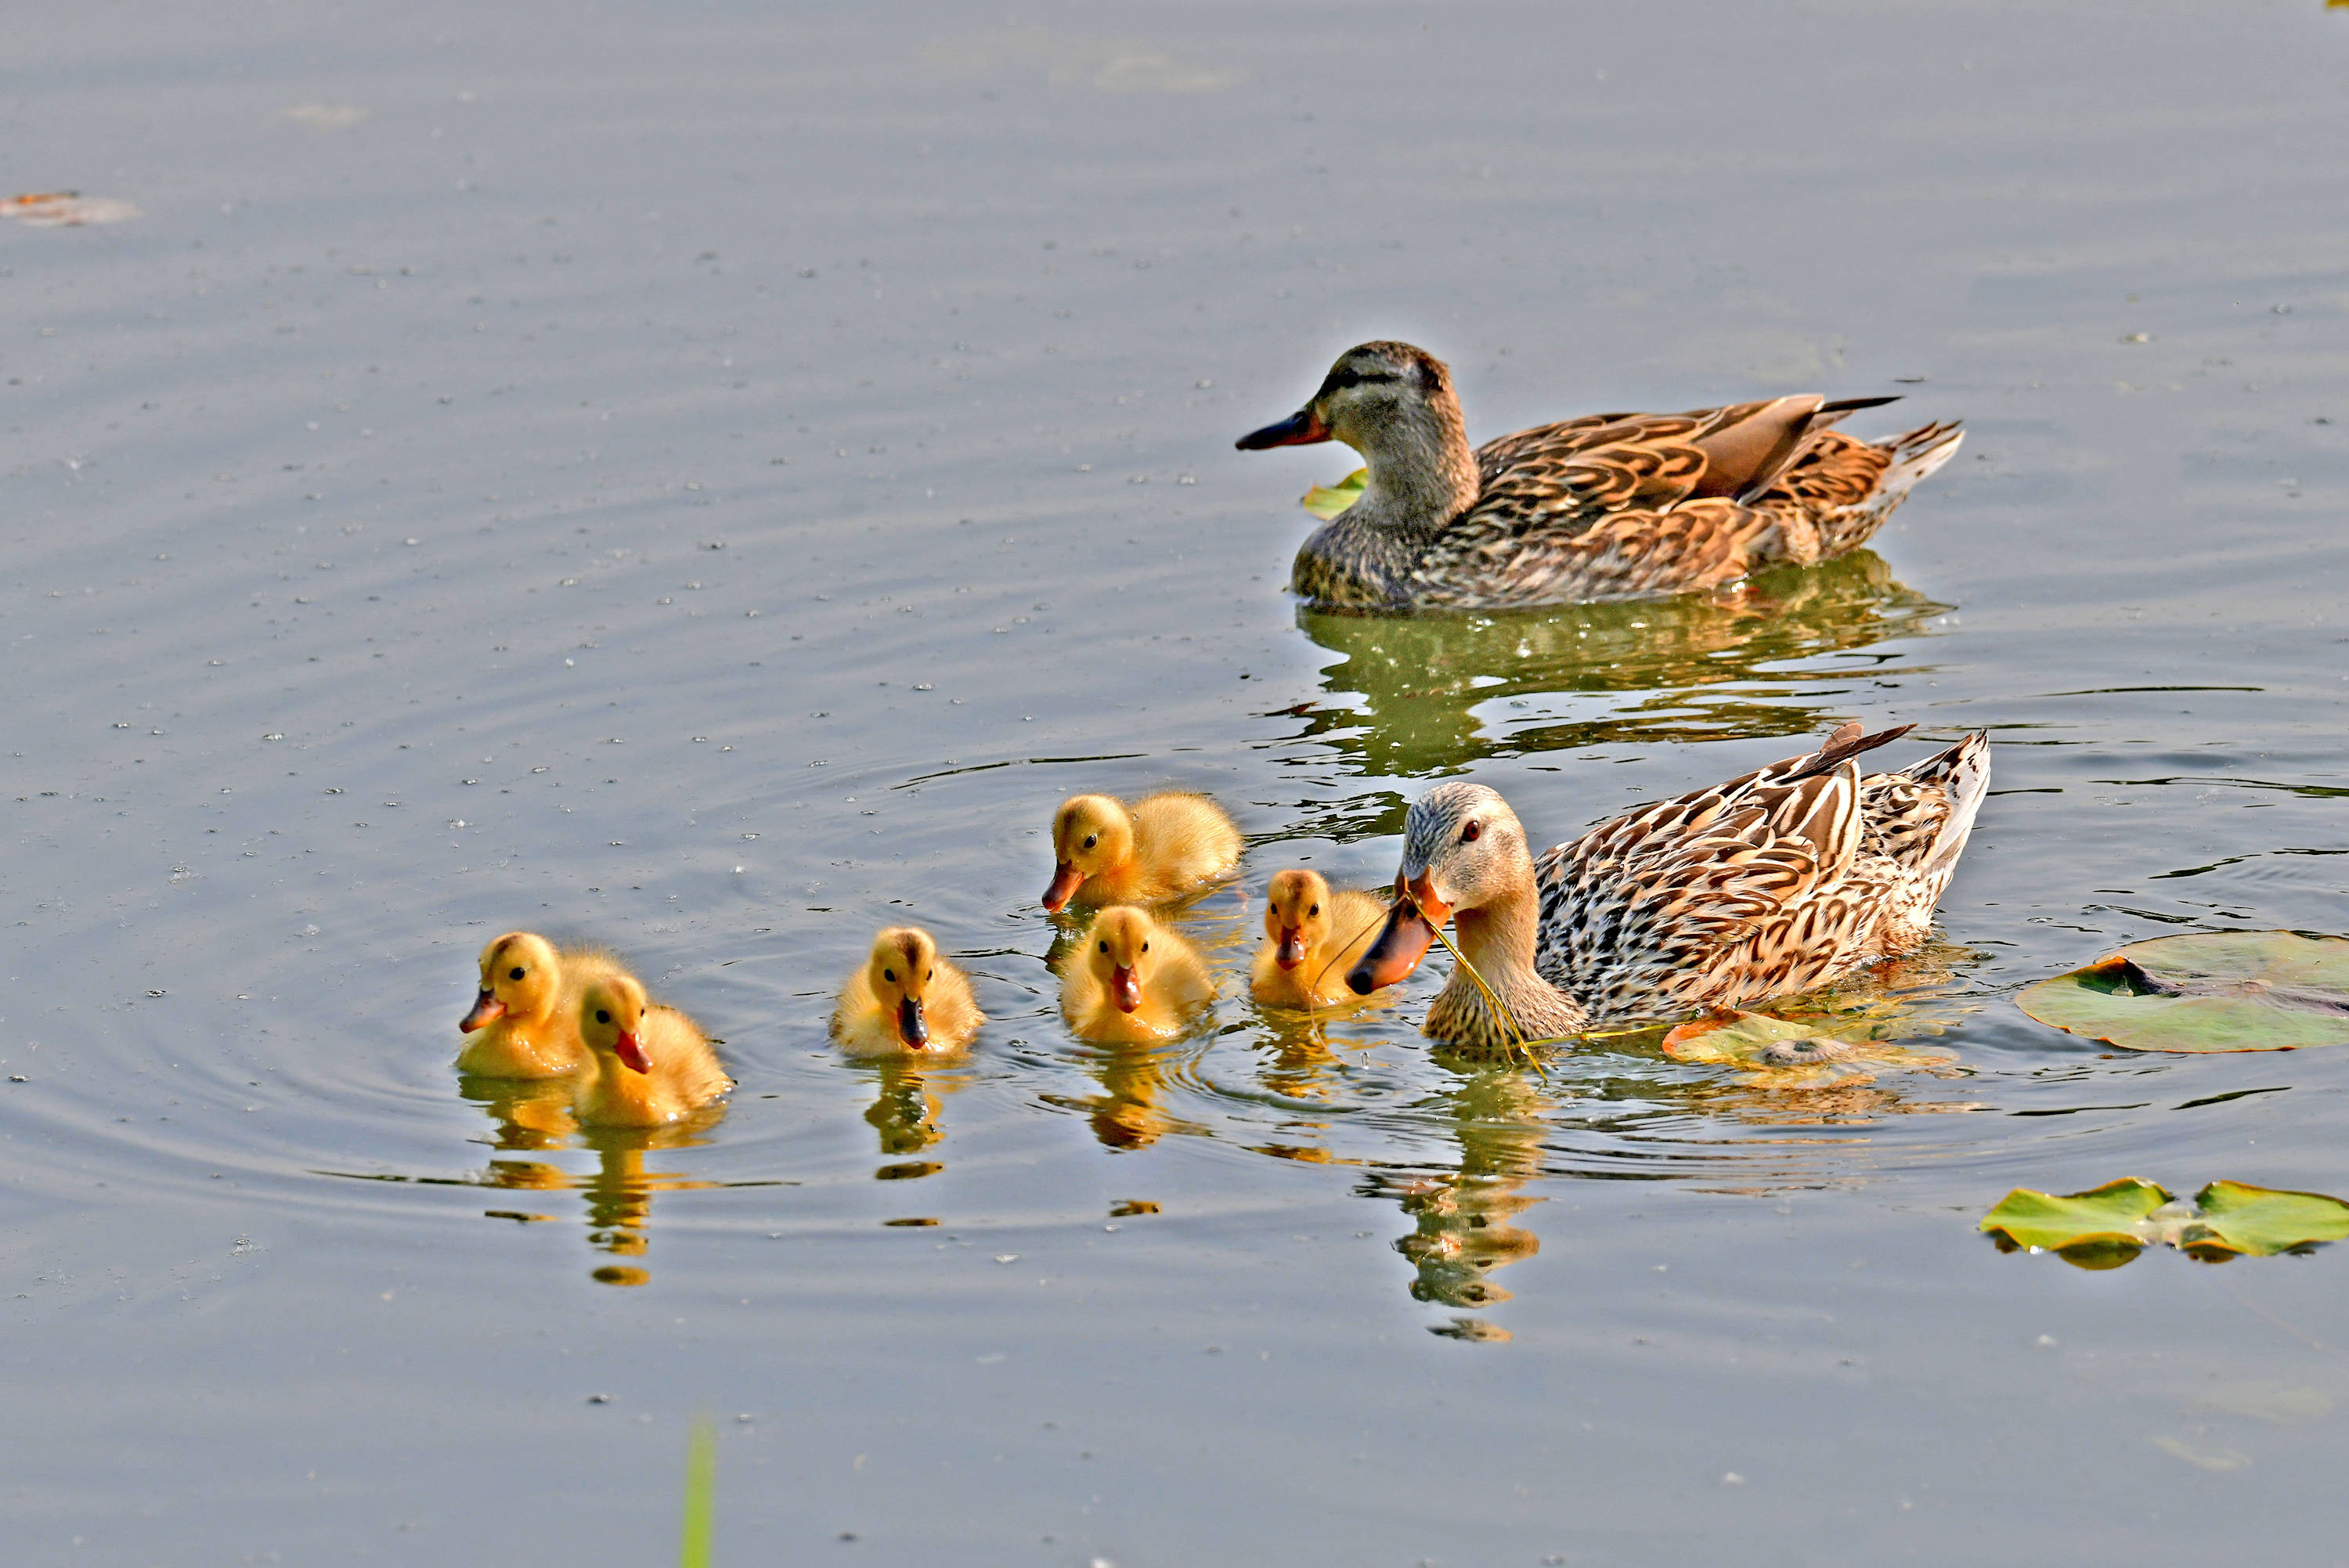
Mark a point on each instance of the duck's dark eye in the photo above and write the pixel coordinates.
(890, 975)
(929, 974)
(1472, 832)
(602, 1016)
(1105, 947)
(513, 973)
(1091, 839)
(1146, 947)
(1314, 910)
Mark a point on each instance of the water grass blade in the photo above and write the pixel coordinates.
(701, 1495)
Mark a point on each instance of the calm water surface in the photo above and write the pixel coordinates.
(709, 480)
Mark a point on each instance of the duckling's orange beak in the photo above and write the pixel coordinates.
(631, 1055)
(487, 1010)
(911, 1026)
(1404, 940)
(1291, 950)
(1066, 880)
(1125, 989)
(1301, 428)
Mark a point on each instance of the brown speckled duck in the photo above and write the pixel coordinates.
(1777, 883)
(1609, 506)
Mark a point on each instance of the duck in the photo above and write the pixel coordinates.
(1160, 848)
(1314, 934)
(1783, 881)
(905, 999)
(1133, 981)
(1604, 507)
(653, 1065)
(525, 1022)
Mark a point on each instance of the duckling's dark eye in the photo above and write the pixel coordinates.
(1146, 947)
(1472, 832)
(1091, 839)
(1105, 947)
(602, 1016)
(1312, 912)
(890, 975)
(929, 974)
(513, 973)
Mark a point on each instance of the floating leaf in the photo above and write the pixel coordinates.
(325, 116)
(63, 209)
(1797, 1055)
(2214, 991)
(1325, 501)
(2107, 1226)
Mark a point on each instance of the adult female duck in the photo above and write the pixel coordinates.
(1780, 881)
(1609, 506)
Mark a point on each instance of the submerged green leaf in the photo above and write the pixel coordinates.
(1804, 1055)
(1325, 501)
(2214, 991)
(2108, 1225)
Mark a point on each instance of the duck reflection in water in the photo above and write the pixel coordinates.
(1461, 1231)
(618, 1193)
(1424, 693)
(909, 1096)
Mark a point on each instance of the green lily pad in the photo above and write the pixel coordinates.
(1325, 501)
(1787, 1055)
(2214, 991)
(2108, 1225)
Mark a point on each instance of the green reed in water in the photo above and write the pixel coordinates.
(701, 1495)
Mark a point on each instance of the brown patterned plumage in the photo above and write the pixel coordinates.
(1608, 506)
(1776, 883)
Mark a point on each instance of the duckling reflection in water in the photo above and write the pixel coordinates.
(906, 999)
(653, 1066)
(908, 1100)
(525, 1022)
(1160, 848)
(1133, 981)
(620, 1196)
(1313, 934)
(531, 1113)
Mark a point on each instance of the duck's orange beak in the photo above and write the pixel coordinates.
(1066, 880)
(1404, 940)
(1291, 950)
(912, 1028)
(1302, 428)
(487, 1010)
(1125, 989)
(631, 1055)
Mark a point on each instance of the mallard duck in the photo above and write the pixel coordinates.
(1133, 981)
(525, 1022)
(1609, 506)
(1314, 934)
(906, 999)
(653, 1065)
(1160, 848)
(1776, 883)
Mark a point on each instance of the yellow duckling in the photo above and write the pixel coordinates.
(906, 998)
(525, 1023)
(653, 1065)
(1160, 847)
(1314, 934)
(1133, 981)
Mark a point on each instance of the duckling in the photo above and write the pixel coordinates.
(1133, 982)
(653, 1065)
(1160, 847)
(1314, 934)
(906, 998)
(525, 1023)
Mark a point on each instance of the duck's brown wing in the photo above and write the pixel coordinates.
(1626, 506)
(1689, 902)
